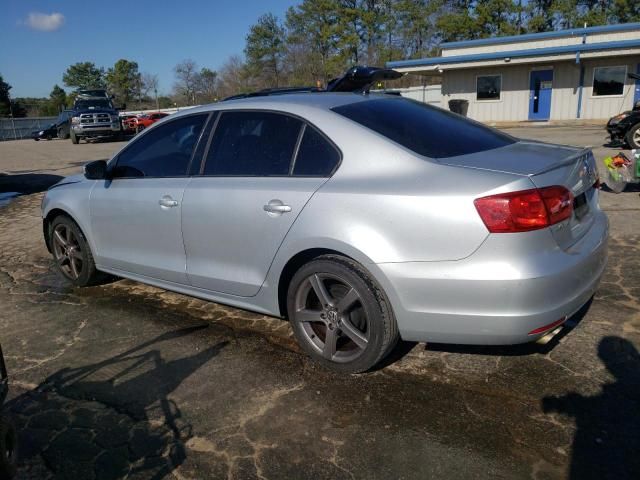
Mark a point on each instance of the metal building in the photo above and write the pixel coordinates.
(568, 74)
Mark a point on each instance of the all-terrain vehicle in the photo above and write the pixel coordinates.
(8, 437)
(94, 117)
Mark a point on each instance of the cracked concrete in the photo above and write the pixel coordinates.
(129, 381)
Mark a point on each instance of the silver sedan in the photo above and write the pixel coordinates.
(361, 218)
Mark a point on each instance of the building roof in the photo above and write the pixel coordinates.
(531, 52)
(573, 32)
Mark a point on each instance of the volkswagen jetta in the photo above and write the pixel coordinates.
(360, 218)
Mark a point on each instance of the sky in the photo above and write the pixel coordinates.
(40, 39)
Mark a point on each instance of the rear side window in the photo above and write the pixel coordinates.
(424, 129)
(316, 156)
(253, 144)
(164, 151)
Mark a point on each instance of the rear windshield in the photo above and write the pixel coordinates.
(424, 129)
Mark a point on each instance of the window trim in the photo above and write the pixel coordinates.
(294, 157)
(593, 81)
(483, 100)
(113, 163)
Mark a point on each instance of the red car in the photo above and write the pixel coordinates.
(149, 119)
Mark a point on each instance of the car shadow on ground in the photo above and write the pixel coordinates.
(606, 442)
(27, 183)
(110, 419)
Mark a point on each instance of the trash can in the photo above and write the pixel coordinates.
(459, 106)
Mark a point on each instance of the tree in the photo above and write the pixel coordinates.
(207, 85)
(84, 75)
(233, 77)
(186, 80)
(265, 49)
(150, 85)
(314, 25)
(124, 80)
(57, 99)
(5, 100)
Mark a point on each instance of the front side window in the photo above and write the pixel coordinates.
(165, 151)
(608, 81)
(424, 129)
(488, 87)
(252, 143)
(316, 156)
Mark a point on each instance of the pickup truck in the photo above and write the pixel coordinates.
(94, 116)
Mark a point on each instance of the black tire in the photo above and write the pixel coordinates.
(81, 269)
(49, 137)
(61, 134)
(37, 139)
(8, 448)
(74, 139)
(370, 315)
(633, 136)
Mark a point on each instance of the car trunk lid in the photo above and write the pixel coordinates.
(547, 165)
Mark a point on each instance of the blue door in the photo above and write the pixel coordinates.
(540, 94)
(636, 97)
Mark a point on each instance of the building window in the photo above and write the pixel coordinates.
(488, 87)
(608, 81)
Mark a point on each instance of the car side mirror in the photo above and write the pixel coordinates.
(96, 170)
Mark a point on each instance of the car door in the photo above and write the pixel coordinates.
(237, 213)
(135, 215)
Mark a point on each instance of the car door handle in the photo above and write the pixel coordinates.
(273, 207)
(167, 202)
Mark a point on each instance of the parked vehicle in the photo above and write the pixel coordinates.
(145, 121)
(360, 218)
(128, 122)
(94, 117)
(8, 437)
(626, 127)
(46, 133)
(63, 124)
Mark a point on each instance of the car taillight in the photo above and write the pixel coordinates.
(525, 210)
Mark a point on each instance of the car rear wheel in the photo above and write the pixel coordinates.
(633, 136)
(8, 446)
(71, 253)
(339, 315)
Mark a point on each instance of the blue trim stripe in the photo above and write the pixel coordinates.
(574, 32)
(532, 52)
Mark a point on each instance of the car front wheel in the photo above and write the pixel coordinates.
(339, 315)
(71, 253)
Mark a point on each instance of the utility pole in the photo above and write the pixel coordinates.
(155, 92)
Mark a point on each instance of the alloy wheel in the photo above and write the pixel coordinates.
(636, 137)
(67, 251)
(332, 317)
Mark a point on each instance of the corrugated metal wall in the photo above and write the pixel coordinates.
(514, 101)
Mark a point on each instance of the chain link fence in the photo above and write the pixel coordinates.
(18, 128)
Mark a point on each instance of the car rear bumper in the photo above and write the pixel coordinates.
(498, 295)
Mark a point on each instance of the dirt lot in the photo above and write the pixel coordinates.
(125, 380)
